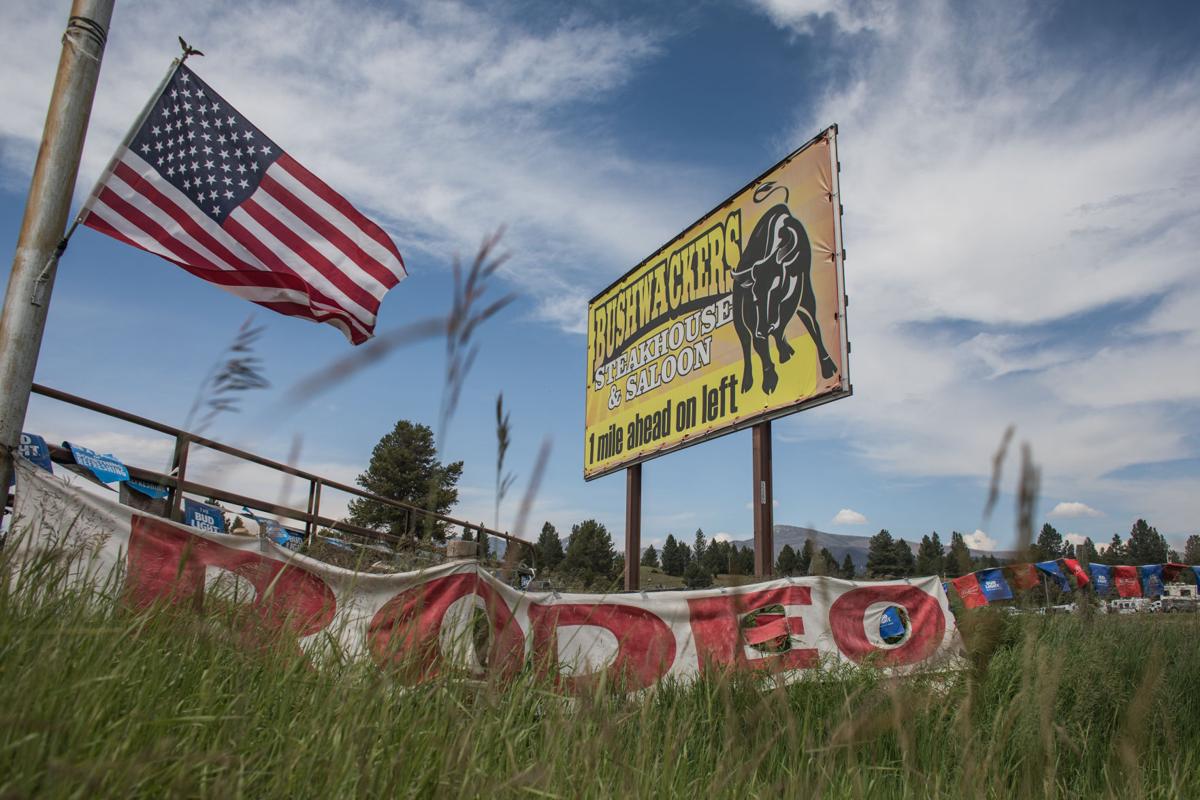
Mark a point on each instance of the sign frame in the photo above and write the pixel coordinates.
(845, 388)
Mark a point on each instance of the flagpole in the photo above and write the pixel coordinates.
(27, 299)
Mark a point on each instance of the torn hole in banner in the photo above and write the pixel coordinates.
(766, 630)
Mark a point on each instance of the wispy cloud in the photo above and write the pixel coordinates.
(990, 188)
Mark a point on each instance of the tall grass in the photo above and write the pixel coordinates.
(98, 701)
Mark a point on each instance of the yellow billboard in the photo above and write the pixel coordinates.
(739, 319)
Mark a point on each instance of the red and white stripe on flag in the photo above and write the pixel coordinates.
(272, 232)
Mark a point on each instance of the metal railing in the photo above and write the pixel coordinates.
(177, 484)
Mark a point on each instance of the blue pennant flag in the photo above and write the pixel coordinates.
(151, 490)
(1152, 579)
(1196, 575)
(107, 468)
(202, 516)
(994, 587)
(1052, 569)
(1101, 578)
(277, 533)
(35, 449)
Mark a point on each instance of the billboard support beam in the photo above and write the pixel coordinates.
(633, 526)
(764, 501)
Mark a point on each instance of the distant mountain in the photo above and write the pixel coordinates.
(839, 544)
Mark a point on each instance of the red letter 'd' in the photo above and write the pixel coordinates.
(645, 644)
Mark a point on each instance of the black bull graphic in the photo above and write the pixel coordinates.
(771, 283)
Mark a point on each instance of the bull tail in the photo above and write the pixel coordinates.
(768, 188)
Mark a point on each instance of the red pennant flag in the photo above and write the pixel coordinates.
(1022, 576)
(1172, 571)
(1081, 577)
(1126, 580)
(970, 591)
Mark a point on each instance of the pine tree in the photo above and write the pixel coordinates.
(696, 576)
(804, 560)
(1191, 549)
(787, 563)
(848, 567)
(905, 563)
(821, 563)
(1116, 553)
(650, 557)
(930, 557)
(675, 557)
(700, 546)
(1049, 544)
(745, 559)
(590, 556)
(549, 549)
(1146, 545)
(404, 467)
(958, 560)
(1087, 553)
(881, 555)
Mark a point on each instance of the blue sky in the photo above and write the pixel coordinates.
(1020, 184)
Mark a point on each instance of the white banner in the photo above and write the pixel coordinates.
(424, 620)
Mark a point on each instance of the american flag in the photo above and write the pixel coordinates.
(202, 187)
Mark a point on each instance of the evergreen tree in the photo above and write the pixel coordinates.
(804, 560)
(958, 560)
(1087, 553)
(590, 557)
(716, 557)
(696, 576)
(650, 557)
(700, 546)
(745, 558)
(485, 546)
(1116, 553)
(1146, 545)
(675, 557)
(1191, 550)
(823, 563)
(848, 567)
(549, 549)
(1049, 544)
(905, 563)
(930, 557)
(881, 555)
(404, 467)
(787, 563)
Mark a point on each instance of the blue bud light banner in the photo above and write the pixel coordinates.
(1101, 578)
(1152, 580)
(202, 516)
(107, 468)
(151, 490)
(890, 624)
(993, 585)
(1052, 569)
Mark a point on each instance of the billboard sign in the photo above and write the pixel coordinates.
(739, 319)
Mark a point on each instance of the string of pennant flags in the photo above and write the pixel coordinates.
(976, 589)
(987, 586)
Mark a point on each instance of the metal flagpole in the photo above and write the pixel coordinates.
(46, 209)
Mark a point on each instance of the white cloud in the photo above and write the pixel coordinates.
(722, 536)
(1074, 538)
(848, 516)
(986, 181)
(852, 16)
(443, 120)
(980, 541)
(1071, 509)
